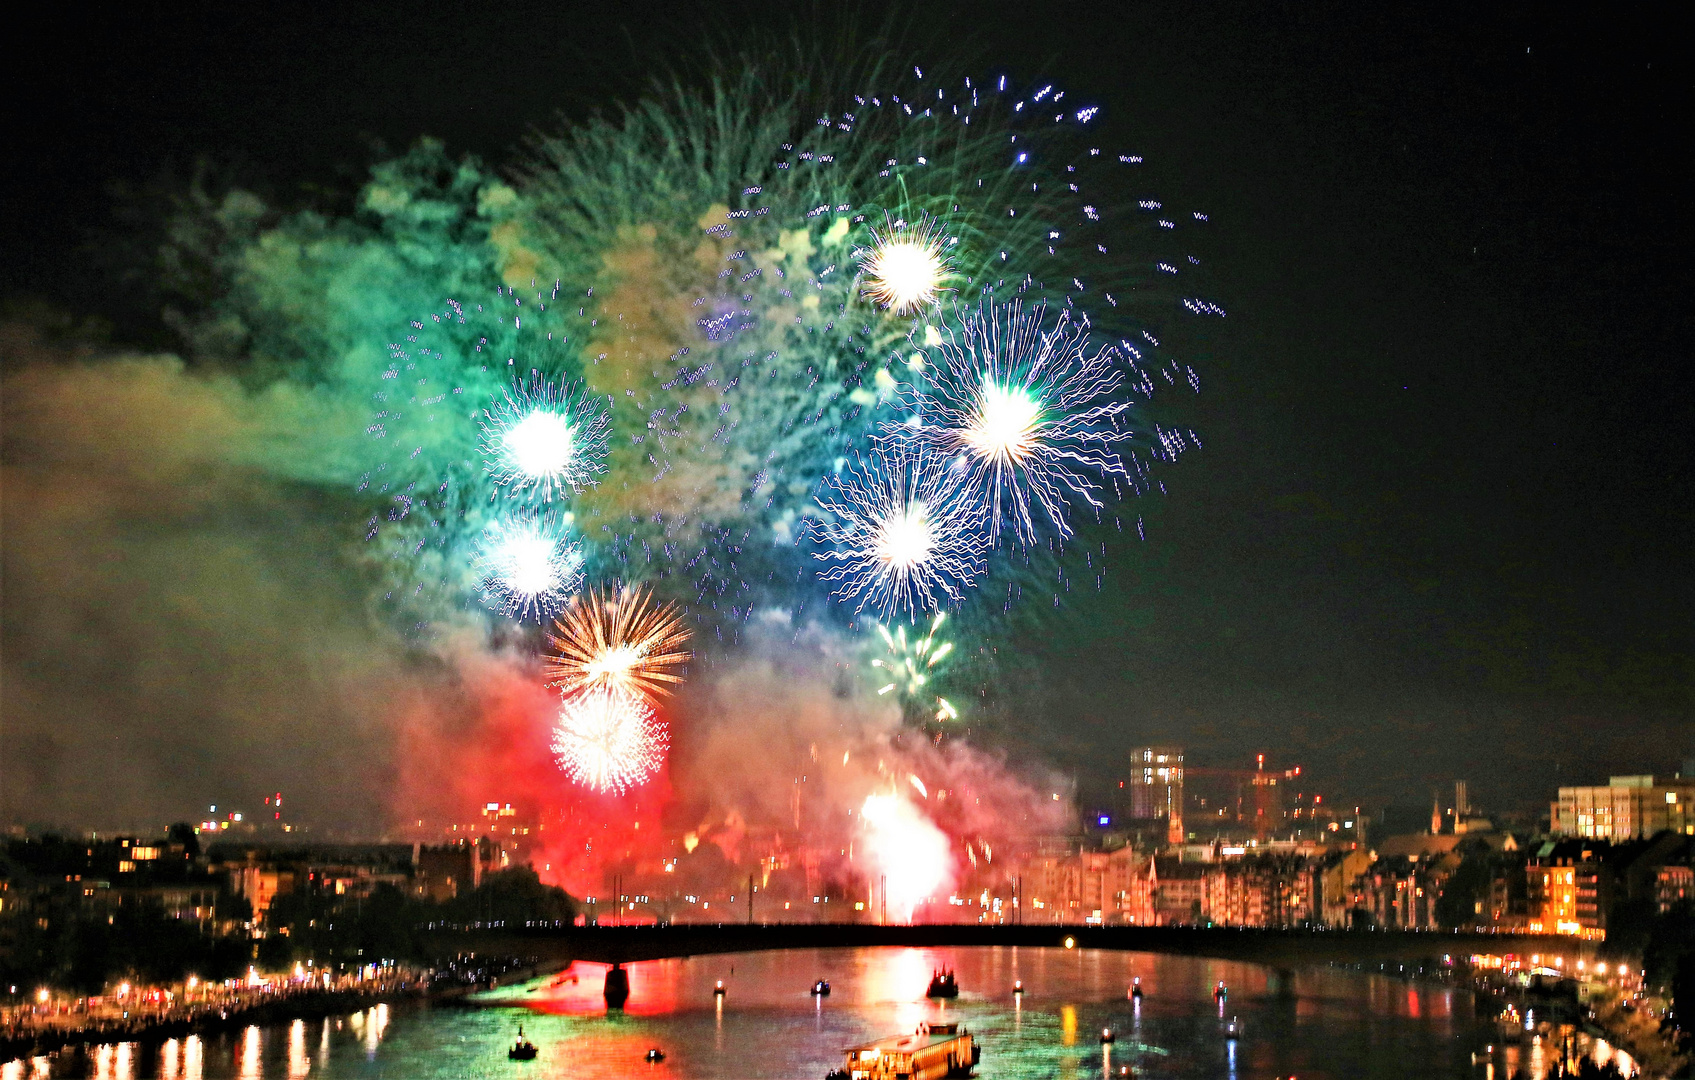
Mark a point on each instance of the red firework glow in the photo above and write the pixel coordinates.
(487, 739)
(775, 781)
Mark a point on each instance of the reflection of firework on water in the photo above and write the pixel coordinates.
(902, 531)
(543, 438)
(623, 641)
(528, 564)
(1032, 409)
(906, 265)
(911, 854)
(911, 662)
(609, 740)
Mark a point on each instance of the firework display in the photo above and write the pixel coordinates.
(903, 532)
(609, 740)
(528, 564)
(542, 439)
(1032, 407)
(911, 662)
(814, 353)
(906, 267)
(622, 641)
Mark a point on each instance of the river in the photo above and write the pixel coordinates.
(1310, 1024)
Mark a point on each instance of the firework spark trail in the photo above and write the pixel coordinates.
(622, 641)
(911, 664)
(528, 564)
(1032, 409)
(543, 438)
(609, 740)
(902, 531)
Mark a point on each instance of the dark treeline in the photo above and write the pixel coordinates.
(82, 915)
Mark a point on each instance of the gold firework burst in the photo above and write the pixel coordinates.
(621, 640)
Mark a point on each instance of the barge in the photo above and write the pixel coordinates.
(933, 1052)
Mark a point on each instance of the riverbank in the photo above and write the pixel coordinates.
(96, 1021)
(22, 1042)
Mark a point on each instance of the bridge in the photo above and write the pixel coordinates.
(1281, 948)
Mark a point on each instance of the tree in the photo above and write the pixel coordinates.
(1469, 883)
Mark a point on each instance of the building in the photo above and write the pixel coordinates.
(442, 873)
(1340, 887)
(1180, 893)
(1155, 788)
(1627, 808)
(1570, 889)
(1673, 885)
(260, 885)
(1093, 887)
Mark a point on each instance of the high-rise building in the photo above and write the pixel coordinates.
(1155, 786)
(1627, 808)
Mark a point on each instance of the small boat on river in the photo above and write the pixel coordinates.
(821, 988)
(523, 1049)
(933, 1052)
(942, 984)
(1136, 988)
(1220, 992)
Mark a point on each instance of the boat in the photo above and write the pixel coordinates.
(1018, 986)
(942, 984)
(821, 988)
(1136, 988)
(1107, 1036)
(718, 991)
(523, 1049)
(1220, 992)
(1233, 1029)
(933, 1052)
(656, 1055)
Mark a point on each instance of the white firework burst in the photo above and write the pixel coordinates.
(608, 739)
(902, 531)
(528, 564)
(543, 438)
(906, 267)
(1031, 410)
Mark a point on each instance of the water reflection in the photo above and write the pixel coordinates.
(1315, 1024)
(298, 1063)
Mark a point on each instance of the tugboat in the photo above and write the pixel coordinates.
(821, 988)
(1136, 988)
(1220, 992)
(523, 1049)
(942, 984)
(655, 1056)
(932, 1052)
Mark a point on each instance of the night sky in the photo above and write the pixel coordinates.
(1441, 525)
